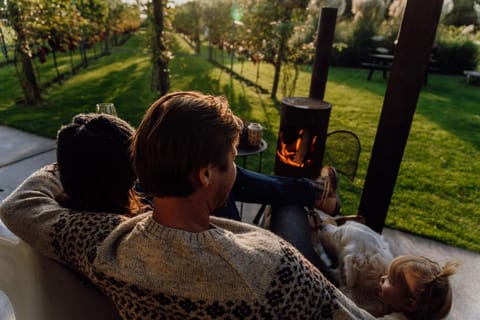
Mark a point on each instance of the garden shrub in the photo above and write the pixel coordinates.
(456, 51)
(354, 46)
(454, 57)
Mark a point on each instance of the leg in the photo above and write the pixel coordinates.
(370, 73)
(291, 223)
(259, 188)
(255, 187)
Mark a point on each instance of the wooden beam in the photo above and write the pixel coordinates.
(321, 61)
(416, 36)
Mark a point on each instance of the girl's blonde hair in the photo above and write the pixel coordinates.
(431, 291)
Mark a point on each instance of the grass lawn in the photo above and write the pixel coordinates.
(438, 186)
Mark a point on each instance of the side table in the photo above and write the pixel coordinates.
(251, 151)
(245, 152)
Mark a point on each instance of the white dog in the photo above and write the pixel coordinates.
(363, 257)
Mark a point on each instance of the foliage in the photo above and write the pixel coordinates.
(456, 52)
(187, 21)
(217, 22)
(462, 14)
(255, 30)
(357, 44)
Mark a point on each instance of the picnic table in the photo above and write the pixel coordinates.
(379, 61)
(472, 76)
(383, 62)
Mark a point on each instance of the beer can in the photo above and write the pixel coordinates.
(255, 131)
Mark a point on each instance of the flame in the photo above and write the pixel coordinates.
(295, 153)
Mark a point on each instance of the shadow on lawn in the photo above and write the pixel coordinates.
(79, 95)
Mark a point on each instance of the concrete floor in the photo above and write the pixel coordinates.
(22, 153)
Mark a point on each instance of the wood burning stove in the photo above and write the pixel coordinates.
(301, 138)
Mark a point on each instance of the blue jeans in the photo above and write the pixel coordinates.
(253, 187)
(291, 223)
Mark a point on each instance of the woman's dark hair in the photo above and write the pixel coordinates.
(180, 133)
(94, 163)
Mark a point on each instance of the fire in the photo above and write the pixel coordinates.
(295, 153)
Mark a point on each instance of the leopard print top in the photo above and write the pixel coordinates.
(232, 271)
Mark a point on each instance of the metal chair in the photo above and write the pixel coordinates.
(342, 150)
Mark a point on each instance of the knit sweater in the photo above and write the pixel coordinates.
(231, 271)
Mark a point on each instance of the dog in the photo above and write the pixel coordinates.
(362, 257)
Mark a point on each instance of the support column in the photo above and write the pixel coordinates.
(326, 31)
(416, 36)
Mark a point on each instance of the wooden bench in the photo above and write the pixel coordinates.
(472, 76)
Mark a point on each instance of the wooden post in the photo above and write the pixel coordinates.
(416, 36)
(326, 31)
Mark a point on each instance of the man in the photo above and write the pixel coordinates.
(178, 261)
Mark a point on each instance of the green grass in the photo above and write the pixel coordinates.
(437, 188)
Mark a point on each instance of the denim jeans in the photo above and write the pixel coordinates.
(291, 223)
(253, 187)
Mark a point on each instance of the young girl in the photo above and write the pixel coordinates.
(416, 287)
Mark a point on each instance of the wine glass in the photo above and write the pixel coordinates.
(107, 107)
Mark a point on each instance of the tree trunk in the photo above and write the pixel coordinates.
(197, 44)
(37, 70)
(280, 56)
(210, 51)
(4, 45)
(160, 73)
(106, 41)
(71, 62)
(54, 53)
(276, 76)
(83, 56)
(26, 76)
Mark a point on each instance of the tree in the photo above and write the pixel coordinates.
(463, 14)
(58, 27)
(21, 14)
(217, 22)
(124, 18)
(270, 25)
(187, 22)
(91, 27)
(160, 54)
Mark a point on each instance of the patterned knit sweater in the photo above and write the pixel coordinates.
(231, 271)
